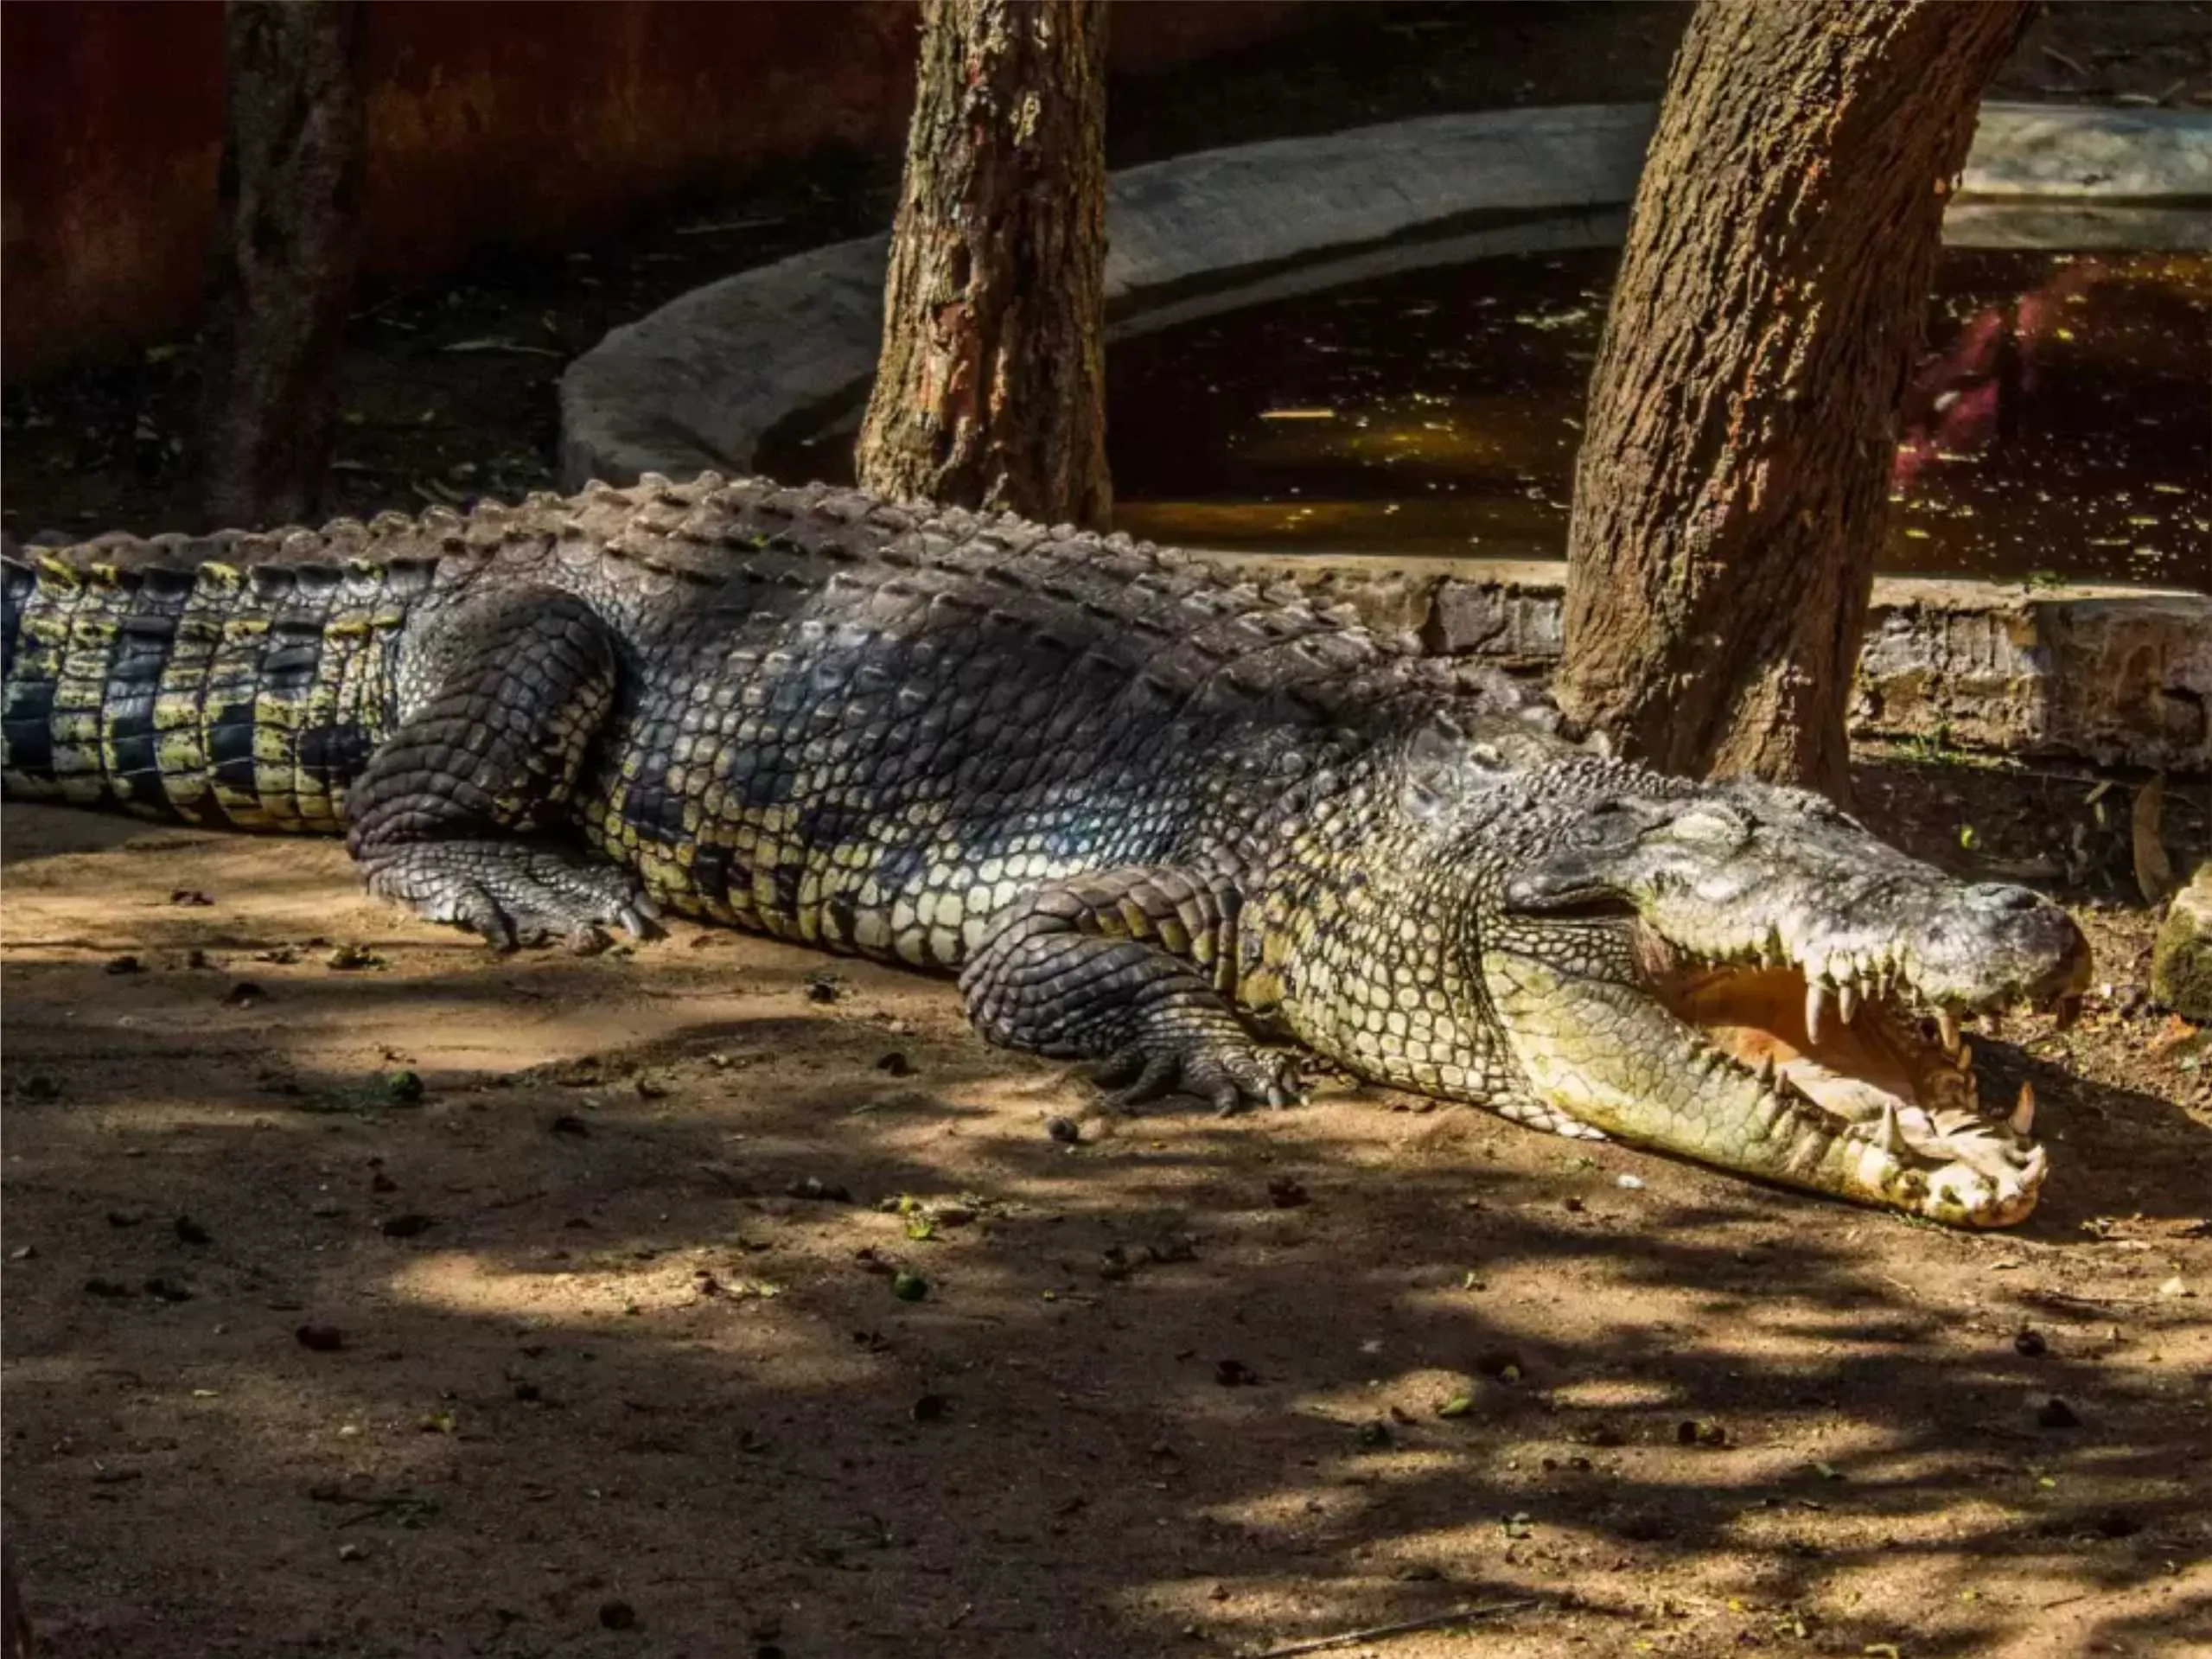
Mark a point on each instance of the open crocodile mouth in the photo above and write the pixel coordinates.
(1875, 1052)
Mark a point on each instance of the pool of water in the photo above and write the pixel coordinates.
(2058, 427)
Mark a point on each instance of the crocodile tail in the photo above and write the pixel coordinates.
(166, 680)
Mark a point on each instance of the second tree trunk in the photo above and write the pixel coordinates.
(991, 391)
(1732, 485)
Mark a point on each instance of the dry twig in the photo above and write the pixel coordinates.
(1406, 1627)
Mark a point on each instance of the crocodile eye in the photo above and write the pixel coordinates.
(1710, 825)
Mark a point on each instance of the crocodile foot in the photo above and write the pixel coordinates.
(512, 892)
(1229, 1070)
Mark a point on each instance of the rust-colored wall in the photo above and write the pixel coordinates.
(491, 122)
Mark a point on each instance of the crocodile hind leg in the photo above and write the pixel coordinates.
(1110, 966)
(455, 815)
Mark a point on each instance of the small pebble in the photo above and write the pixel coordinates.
(350, 1552)
(2055, 1413)
(123, 964)
(618, 1615)
(2030, 1342)
(404, 1226)
(1234, 1374)
(320, 1339)
(1066, 1130)
(909, 1286)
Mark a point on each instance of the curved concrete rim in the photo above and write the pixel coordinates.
(698, 383)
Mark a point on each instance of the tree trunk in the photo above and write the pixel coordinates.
(990, 392)
(15, 1624)
(295, 148)
(1733, 482)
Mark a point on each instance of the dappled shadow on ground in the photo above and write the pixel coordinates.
(609, 1319)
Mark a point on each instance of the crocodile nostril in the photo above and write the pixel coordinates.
(1996, 896)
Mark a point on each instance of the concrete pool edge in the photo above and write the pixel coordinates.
(699, 382)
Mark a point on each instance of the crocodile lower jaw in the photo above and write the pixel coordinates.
(1895, 1075)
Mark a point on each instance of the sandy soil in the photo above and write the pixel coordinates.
(596, 1345)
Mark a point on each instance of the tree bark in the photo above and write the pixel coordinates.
(1732, 485)
(991, 391)
(295, 150)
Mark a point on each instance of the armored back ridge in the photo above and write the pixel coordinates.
(1145, 812)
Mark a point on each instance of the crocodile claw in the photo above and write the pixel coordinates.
(1229, 1074)
(513, 894)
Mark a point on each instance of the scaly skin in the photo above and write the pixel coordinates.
(1140, 809)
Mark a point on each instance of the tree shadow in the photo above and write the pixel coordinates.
(1319, 1369)
(608, 1323)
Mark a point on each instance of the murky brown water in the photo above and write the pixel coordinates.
(2061, 425)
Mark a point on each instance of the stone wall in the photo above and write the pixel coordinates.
(2115, 675)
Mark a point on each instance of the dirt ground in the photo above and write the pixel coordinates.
(370, 1294)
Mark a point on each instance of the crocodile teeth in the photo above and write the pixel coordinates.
(1947, 1022)
(1888, 1134)
(1767, 1071)
(2022, 1121)
(1816, 1009)
(1847, 1001)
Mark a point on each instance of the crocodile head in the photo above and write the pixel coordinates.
(1746, 975)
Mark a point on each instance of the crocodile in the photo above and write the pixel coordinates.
(1148, 813)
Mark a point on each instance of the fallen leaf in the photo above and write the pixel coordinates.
(2154, 871)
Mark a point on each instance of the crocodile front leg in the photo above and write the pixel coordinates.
(454, 814)
(1111, 964)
